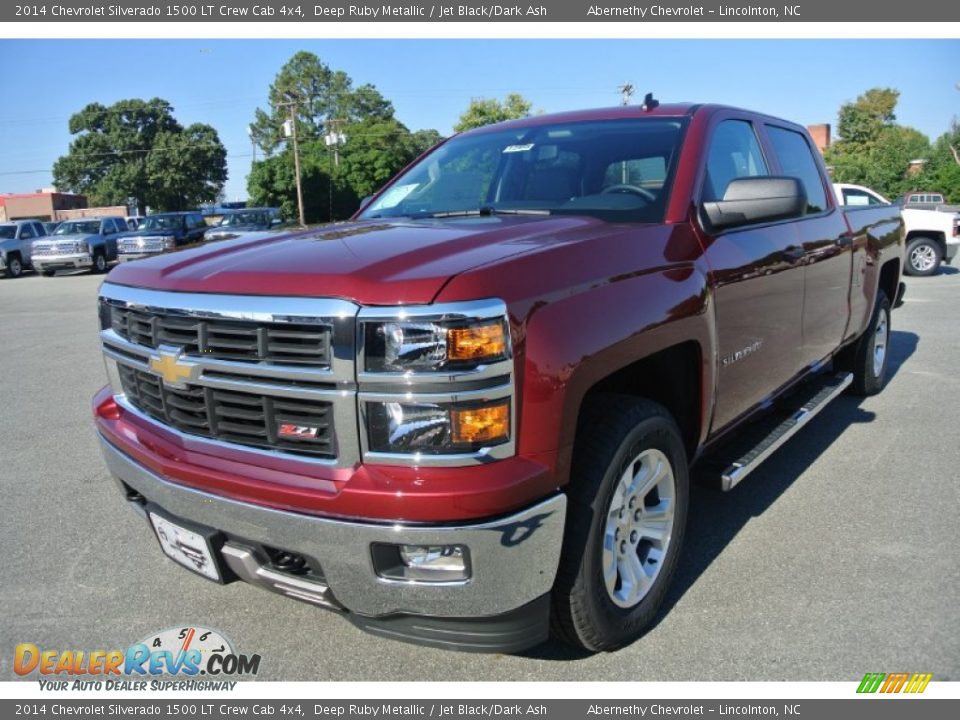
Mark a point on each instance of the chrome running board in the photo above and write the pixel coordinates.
(749, 462)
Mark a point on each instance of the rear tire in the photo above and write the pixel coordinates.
(14, 266)
(923, 257)
(627, 510)
(871, 354)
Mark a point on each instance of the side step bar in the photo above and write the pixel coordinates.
(783, 432)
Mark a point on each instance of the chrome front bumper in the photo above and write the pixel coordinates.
(513, 560)
(61, 262)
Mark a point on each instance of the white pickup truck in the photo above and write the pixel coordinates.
(933, 235)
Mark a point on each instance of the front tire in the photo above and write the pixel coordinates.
(872, 355)
(14, 267)
(923, 257)
(627, 511)
(99, 263)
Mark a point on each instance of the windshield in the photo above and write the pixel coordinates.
(161, 222)
(8, 231)
(617, 170)
(87, 227)
(245, 218)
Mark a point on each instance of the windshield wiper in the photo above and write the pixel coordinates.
(487, 210)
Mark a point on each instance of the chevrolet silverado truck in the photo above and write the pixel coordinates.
(467, 416)
(16, 245)
(84, 243)
(932, 230)
(159, 233)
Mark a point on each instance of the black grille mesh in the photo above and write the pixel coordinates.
(278, 343)
(238, 417)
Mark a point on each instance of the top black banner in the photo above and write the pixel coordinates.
(615, 11)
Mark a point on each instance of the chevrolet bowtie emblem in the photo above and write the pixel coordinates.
(169, 366)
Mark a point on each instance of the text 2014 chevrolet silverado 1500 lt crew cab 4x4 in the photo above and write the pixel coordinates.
(471, 411)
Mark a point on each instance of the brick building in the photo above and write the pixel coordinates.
(38, 205)
(821, 135)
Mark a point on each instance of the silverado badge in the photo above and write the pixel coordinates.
(174, 371)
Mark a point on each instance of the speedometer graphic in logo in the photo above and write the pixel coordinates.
(179, 641)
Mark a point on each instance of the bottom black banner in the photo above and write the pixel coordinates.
(873, 707)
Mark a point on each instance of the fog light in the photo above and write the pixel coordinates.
(433, 558)
(422, 563)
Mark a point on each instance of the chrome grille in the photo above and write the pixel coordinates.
(280, 343)
(138, 245)
(244, 418)
(68, 248)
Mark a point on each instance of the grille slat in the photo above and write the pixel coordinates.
(237, 340)
(249, 419)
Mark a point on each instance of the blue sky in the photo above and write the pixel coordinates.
(431, 82)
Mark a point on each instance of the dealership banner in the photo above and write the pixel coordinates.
(207, 708)
(579, 11)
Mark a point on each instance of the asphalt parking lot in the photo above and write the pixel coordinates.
(841, 555)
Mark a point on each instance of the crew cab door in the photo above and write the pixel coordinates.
(757, 276)
(826, 241)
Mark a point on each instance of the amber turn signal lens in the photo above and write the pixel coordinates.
(477, 342)
(480, 425)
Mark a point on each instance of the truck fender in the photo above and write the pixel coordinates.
(575, 342)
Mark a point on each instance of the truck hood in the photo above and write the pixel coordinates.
(371, 262)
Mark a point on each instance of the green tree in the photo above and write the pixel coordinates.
(187, 168)
(862, 121)
(872, 149)
(942, 170)
(486, 111)
(136, 149)
(334, 178)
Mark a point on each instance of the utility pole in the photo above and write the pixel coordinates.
(290, 129)
(626, 91)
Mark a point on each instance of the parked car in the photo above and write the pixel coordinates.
(473, 409)
(16, 245)
(89, 243)
(240, 222)
(161, 233)
(933, 235)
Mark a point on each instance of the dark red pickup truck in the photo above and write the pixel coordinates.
(468, 415)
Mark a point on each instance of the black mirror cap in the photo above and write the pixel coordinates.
(752, 200)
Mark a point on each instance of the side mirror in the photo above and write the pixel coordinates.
(755, 200)
(364, 202)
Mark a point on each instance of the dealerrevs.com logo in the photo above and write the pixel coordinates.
(183, 652)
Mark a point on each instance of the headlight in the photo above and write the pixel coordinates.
(437, 428)
(169, 242)
(84, 247)
(425, 346)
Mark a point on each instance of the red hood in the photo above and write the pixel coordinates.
(370, 262)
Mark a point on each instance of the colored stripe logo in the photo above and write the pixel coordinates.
(894, 682)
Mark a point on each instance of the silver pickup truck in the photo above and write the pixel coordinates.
(16, 244)
(89, 243)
